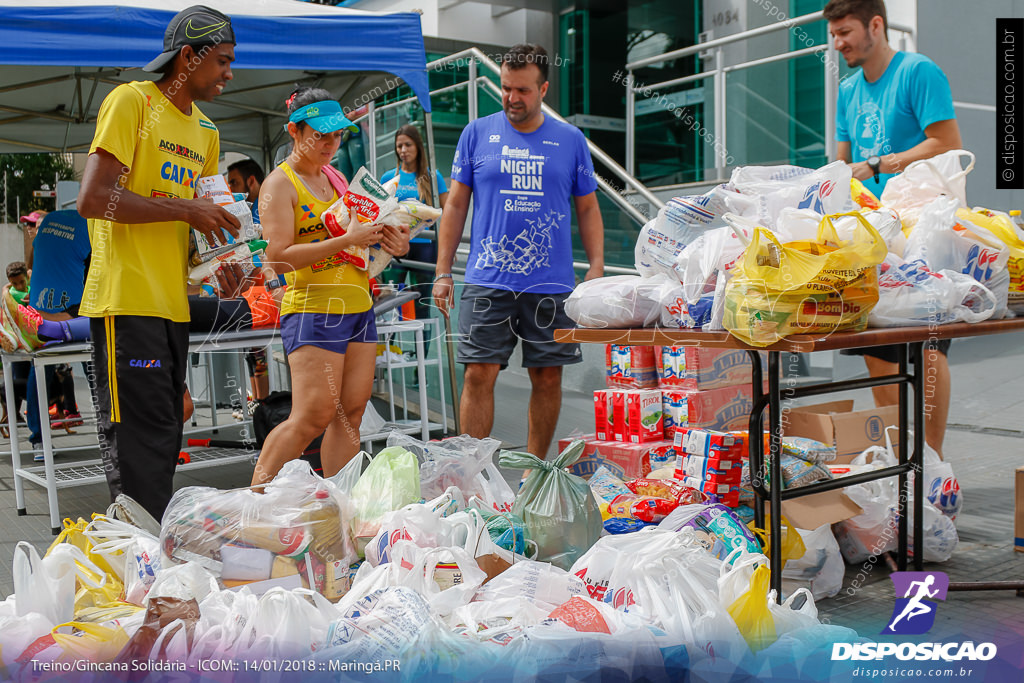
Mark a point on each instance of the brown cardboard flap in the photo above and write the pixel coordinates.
(810, 512)
(850, 432)
(826, 408)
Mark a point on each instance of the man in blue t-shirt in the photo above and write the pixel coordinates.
(246, 177)
(896, 110)
(522, 169)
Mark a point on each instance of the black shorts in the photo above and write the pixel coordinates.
(888, 353)
(492, 320)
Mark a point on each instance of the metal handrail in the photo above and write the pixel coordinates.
(743, 35)
(596, 152)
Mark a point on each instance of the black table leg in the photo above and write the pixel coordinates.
(755, 444)
(903, 490)
(775, 465)
(918, 457)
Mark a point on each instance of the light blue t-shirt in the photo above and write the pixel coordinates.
(60, 249)
(522, 186)
(889, 116)
(407, 188)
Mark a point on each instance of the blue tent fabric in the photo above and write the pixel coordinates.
(122, 36)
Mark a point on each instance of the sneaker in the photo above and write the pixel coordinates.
(25, 319)
(37, 453)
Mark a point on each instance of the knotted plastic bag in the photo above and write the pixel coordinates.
(557, 507)
(825, 286)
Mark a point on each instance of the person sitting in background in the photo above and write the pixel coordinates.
(246, 177)
(17, 277)
(29, 224)
(414, 183)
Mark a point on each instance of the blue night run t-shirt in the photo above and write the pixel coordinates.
(60, 248)
(522, 188)
(889, 116)
(407, 188)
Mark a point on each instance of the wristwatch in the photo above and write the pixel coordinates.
(873, 163)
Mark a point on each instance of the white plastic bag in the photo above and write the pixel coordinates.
(460, 461)
(447, 577)
(681, 221)
(542, 583)
(825, 190)
(47, 585)
(425, 524)
(698, 265)
(943, 242)
(821, 568)
(922, 181)
(616, 301)
(911, 294)
(348, 475)
(874, 531)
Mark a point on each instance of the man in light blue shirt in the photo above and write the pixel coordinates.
(896, 110)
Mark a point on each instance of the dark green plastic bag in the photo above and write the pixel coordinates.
(557, 507)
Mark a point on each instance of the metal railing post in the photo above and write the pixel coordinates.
(831, 97)
(630, 125)
(371, 132)
(719, 136)
(472, 89)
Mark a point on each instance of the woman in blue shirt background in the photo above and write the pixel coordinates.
(414, 183)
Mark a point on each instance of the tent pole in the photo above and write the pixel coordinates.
(453, 384)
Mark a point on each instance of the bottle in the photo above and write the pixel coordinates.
(243, 254)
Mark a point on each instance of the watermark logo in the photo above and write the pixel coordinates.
(914, 613)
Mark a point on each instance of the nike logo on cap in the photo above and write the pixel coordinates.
(192, 32)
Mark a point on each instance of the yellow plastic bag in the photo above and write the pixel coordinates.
(751, 614)
(92, 642)
(793, 547)
(106, 588)
(862, 196)
(825, 286)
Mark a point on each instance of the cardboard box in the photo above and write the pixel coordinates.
(693, 367)
(810, 512)
(644, 416)
(1018, 525)
(625, 460)
(633, 367)
(837, 423)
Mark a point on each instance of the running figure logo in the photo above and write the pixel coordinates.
(914, 613)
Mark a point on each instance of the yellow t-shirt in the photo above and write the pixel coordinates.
(141, 269)
(329, 286)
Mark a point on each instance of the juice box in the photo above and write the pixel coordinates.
(705, 442)
(693, 367)
(604, 417)
(631, 367)
(711, 469)
(673, 402)
(645, 416)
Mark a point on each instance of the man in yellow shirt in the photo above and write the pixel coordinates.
(138, 191)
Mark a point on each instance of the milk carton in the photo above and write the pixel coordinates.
(604, 416)
(673, 402)
(645, 416)
(692, 367)
(630, 366)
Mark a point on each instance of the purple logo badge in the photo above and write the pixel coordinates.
(914, 612)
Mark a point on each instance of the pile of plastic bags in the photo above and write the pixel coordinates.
(424, 562)
(782, 250)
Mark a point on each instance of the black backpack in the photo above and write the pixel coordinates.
(272, 411)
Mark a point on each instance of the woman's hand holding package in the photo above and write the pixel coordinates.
(359, 234)
(395, 240)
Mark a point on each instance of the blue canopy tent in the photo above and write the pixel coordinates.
(60, 58)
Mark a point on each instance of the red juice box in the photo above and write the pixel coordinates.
(712, 469)
(631, 367)
(645, 421)
(705, 442)
(604, 417)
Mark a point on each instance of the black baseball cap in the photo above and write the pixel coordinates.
(196, 26)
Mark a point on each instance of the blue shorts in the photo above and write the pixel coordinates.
(491, 321)
(327, 331)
